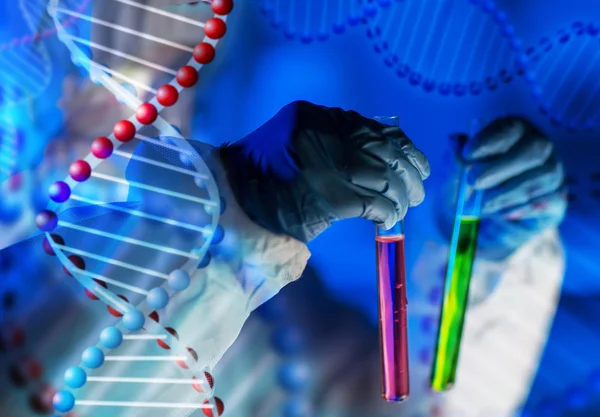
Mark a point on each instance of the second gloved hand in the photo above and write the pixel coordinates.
(518, 169)
(311, 165)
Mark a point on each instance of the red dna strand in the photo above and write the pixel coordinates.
(135, 256)
(455, 48)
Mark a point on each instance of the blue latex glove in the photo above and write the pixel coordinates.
(311, 165)
(523, 181)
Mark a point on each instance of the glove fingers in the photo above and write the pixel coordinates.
(553, 206)
(410, 152)
(401, 185)
(516, 226)
(525, 187)
(387, 153)
(411, 179)
(503, 236)
(527, 155)
(495, 139)
(352, 201)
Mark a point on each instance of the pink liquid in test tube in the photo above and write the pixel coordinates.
(393, 328)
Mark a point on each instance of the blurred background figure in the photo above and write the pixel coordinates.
(530, 337)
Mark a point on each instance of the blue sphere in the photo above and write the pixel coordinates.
(294, 376)
(537, 91)
(133, 320)
(508, 30)
(288, 340)
(92, 357)
(212, 209)
(218, 235)
(111, 338)
(297, 407)
(59, 192)
(158, 298)
(63, 401)
(489, 6)
(179, 280)
(205, 261)
(46, 221)
(185, 159)
(577, 399)
(75, 377)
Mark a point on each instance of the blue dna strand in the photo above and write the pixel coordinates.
(566, 66)
(11, 143)
(308, 20)
(25, 67)
(452, 47)
(136, 255)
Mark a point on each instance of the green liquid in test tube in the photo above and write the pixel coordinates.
(463, 247)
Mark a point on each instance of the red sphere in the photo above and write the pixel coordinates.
(222, 7)
(167, 95)
(204, 53)
(15, 338)
(33, 369)
(209, 378)
(154, 316)
(124, 131)
(146, 114)
(114, 312)
(162, 344)
(80, 170)
(90, 294)
(41, 399)
(102, 147)
(183, 364)
(208, 412)
(215, 28)
(48, 248)
(77, 261)
(187, 76)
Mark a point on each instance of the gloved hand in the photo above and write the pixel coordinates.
(523, 181)
(311, 165)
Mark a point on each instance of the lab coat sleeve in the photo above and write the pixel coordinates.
(248, 267)
(505, 335)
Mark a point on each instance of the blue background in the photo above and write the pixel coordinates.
(261, 67)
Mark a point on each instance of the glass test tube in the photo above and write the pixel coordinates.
(391, 289)
(458, 278)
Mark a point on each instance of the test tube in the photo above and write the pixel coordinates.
(391, 291)
(463, 246)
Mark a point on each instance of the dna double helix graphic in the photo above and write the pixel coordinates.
(25, 66)
(135, 256)
(308, 21)
(455, 47)
(567, 86)
(11, 143)
(462, 48)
